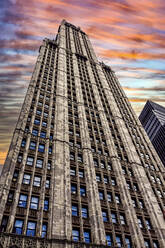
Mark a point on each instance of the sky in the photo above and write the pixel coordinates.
(127, 35)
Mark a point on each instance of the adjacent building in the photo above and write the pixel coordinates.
(80, 171)
(152, 119)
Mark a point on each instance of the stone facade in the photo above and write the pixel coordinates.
(80, 170)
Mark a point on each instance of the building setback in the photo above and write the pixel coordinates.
(80, 171)
(152, 119)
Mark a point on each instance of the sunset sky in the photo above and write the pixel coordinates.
(128, 35)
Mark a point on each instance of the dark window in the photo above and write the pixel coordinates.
(80, 158)
(49, 165)
(31, 228)
(147, 243)
(18, 225)
(105, 179)
(109, 196)
(23, 144)
(117, 198)
(34, 202)
(113, 181)
(122, 219)
(74, 210)
(10, 197)
(98, 177)
(15, 176)
(19, 159)
(72, 156)
(50, 149)
(148, 224)
(140, 222)
(4, 224)
(22, 201)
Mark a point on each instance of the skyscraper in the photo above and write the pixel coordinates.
(152, 119)
(80, 171)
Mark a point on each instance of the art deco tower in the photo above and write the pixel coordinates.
(80, 171)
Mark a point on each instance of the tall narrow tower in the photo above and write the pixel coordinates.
(80, 171)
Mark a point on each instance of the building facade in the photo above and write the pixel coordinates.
(152, 119)
(80, 171)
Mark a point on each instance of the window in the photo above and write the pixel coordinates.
(147, 243)
(73, 189)
(114, 218)
(41, 148)
(81, 173)
(109, 239)
(113, 181)
(72, 156)
(134, 203)
(43, 134)
(35, 132)
(10, 197)
(87, 238)
(23, 144)
(50, 149)
(37, 122)
(30, 161)
(84, 212)
(72, 171)
(22, 201)
(82, 191)
(4, 224)
(140, 222)
(109, 196)
(34, 202)
(19, 159)
(74, 210)
(135, 187)
(75, 234)
(117, 198)
(118, 241)
(80, 158)
(32, 145)
(148, 223)
(49, 165)
(128, 242)
(46, 204)
(98, 177)
(102, 164)
(15, 176)
(31, 228)
(105, 179)
(101, 195)
(47, 183)
(129, 185)
(44, 230)
(44, 124)
(37, 181)
(18, 225)
(38, 112)
(122, 219)
(96, 162)
(26, 179)
(155, 244)
(141, 203)
(39, 163)
(105, 216)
